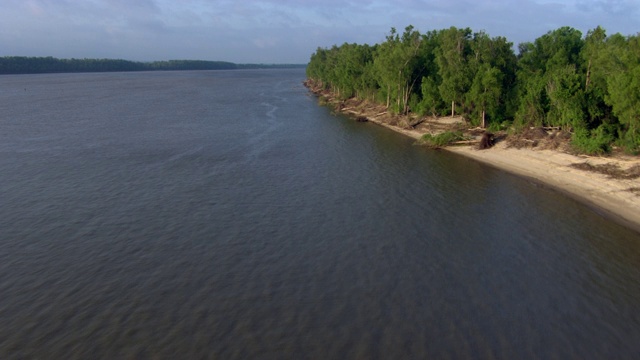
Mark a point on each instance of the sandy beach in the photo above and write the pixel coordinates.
(614, 197)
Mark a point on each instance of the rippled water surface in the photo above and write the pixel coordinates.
(227, 215)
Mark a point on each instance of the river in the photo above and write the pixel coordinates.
(225, 214)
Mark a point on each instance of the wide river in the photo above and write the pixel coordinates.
(225, 214)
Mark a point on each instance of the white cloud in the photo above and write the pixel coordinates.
(275, 30)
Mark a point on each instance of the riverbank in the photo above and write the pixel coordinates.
(610, 185)
(615, 198)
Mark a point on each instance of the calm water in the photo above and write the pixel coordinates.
(227, 215)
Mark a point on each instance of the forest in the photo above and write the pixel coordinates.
(586, 85)
(40, 65)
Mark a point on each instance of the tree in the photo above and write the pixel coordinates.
(486, 90)
(589, 86)
(431, 100)
(564, 88)
(454, 72)
(398, 66)
(624, 88)
(491, 63)
(547, 78)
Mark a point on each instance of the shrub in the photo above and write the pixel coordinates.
(594, 142)
(498, 126)
(630, 141)
(442, 139)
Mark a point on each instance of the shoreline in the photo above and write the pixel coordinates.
(617, 199)
(608, 197)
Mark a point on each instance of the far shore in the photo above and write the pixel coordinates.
(614, 197)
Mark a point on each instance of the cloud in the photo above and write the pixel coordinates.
(611, 7)
(275, 30)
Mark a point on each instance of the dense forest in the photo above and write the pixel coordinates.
(40, 65)
(587, 85)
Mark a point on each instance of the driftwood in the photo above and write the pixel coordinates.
(464, 142)
(420, 121)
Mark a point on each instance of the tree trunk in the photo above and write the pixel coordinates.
(586, 84)
(453, 108)
(406, 102)
(388, 96)
(407, 95)
(484, 124)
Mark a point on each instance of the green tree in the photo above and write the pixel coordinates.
(451, 58)
(624, 89)
(485, 91)
(588, 85)
(491, 63)
(597, 62)
(430, 100)
(398, 65)
(547, 79)
(564, 88)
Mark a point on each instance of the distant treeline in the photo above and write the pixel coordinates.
(41, 65)
(588, 85)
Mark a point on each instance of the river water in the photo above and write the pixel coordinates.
(224, 214)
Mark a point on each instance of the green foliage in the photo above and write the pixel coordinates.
(398, 67)
(550, 84)
(534, 101)
(564, 88)
(495, 126)
(485, 91)
(442, 139)
(630, 141)
(624, 96)
(590, 84)
(431, 100)
(452, 56)
(596, 142)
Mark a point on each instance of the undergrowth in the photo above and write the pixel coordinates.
(442, 139)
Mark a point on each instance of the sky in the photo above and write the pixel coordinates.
(276, 31)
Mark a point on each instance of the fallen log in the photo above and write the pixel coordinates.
(465, 142)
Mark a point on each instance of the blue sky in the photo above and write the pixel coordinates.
(275, 31)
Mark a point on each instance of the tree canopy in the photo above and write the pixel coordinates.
(588, 85)
(41, 65)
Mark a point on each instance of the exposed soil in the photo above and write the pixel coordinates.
(613, 171)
